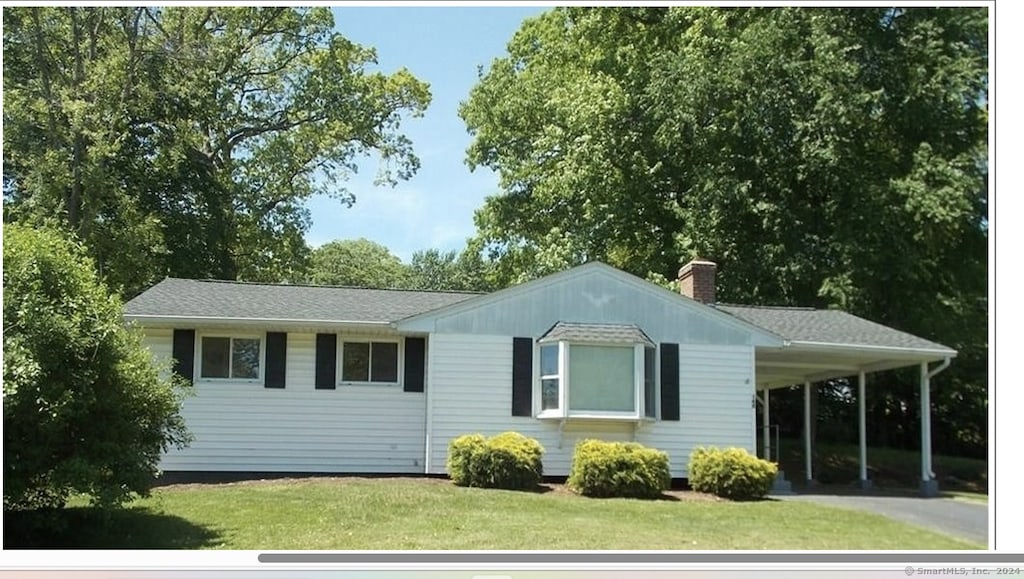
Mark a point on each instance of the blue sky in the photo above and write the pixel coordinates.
(442, 46)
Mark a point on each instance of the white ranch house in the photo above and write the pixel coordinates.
(292, 378)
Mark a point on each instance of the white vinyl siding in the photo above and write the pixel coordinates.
(715, 396)
(160, 343)
(471, 391)
(246, 427)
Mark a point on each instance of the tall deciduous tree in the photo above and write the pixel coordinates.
(432, 269)
(357, 263)
(184, 141)
(824, 157)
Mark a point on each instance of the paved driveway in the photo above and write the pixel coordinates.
(958, 518)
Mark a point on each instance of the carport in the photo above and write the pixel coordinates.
(828, 344)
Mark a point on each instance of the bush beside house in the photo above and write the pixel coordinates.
(506, 461)
(618, 469)
(732, 473)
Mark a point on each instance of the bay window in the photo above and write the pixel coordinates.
(596, 371)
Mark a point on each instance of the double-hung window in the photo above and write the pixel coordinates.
(369, 362)
(596, 371)
(231, 358)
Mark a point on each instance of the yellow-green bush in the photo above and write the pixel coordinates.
(506, 461)
(732, 473)
(618, 469)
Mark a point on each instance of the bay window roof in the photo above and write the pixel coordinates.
(596, 334)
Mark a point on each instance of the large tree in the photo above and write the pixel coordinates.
(357, 263)
(826, 157)
(467, 270)
(183, 141)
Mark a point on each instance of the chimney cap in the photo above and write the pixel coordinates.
(697, 261)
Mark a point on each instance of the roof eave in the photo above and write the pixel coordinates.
(939, 353)
(173, 321)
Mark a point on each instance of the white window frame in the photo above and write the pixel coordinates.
(565, 411)
(197, 366)
(340, 366)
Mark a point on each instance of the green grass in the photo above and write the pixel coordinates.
(839, 464)
(407, 514)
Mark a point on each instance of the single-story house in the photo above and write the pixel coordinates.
(293, 378)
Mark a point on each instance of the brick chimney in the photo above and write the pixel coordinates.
(697, 280)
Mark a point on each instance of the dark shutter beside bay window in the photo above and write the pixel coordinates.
(670, 381)
(415, 364)
(183, 350)
(522, 377)
(326, 361)
(277, 349)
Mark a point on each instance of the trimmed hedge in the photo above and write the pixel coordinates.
(732, 473)
(618, 469)
(506, 461)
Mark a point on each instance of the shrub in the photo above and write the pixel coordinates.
(84, 408)
(460, 457)
(618, 469)
(732, 473)
(506, 461)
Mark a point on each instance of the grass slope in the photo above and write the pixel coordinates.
(409, 514)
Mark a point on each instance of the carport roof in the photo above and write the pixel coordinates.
(834, 327)
(827, 344)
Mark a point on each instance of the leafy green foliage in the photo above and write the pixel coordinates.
(732, 473)
(184, 141)
(618, 469)
(464, 271)
(365, 263)
(506, 461)
(822, 157)
(85, 409)
(357, 263)
(462, 452)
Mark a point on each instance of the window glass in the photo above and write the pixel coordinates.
(216, 356)
(549, 360)
(245, 358)
(549, 394)
(602, 378)
(356, 362)
(649, 403)
(384, 359)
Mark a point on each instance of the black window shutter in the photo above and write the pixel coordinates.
(415, 364)
(326, 361)
(277, 350)
(522, 377)
(670, 381)
(184, 351)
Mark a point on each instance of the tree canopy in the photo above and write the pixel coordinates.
(822, 157)
(357, 263)
(365, 263)
(183, 141)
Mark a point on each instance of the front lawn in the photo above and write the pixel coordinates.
(411, 514)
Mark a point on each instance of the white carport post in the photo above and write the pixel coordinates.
(862, 415)
(765, 431)
(808, 462)
(926, 425)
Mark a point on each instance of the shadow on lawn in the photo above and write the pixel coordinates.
(92, 528)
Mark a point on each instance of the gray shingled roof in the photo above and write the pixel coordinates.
(827, 326)
(224, 299)
(597, 333)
